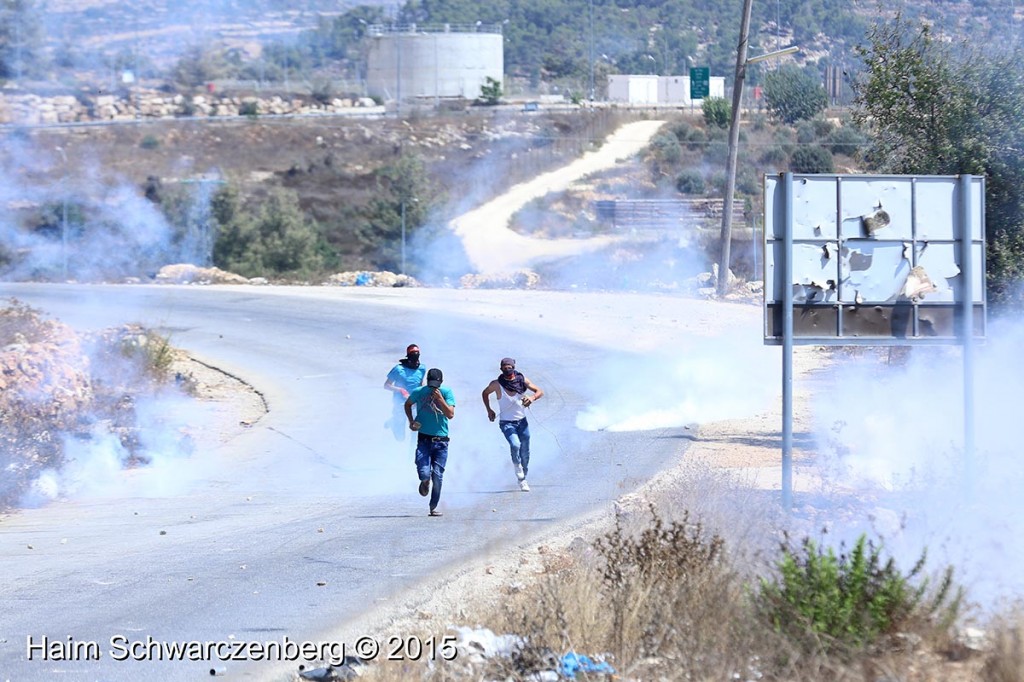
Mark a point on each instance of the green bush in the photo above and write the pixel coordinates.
(186, 108)
(490, 91)
(806, 133)
(748, 181)
(846, 140)
(824, 602)
(718, 181)
(696, 139)
(717, 152)
(665, 149)
(690, 181)
(717, 112)
(682, 130)
(250, 109)
(774, 156)
(822, 126)
(149, 142)
(811, 159)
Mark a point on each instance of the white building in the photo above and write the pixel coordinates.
(675, 90)
(433, 61)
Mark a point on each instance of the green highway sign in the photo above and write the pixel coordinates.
(700, 82)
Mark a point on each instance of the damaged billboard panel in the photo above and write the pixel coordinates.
(874, 259)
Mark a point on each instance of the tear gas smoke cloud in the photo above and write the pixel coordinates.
(894, 436)
(94, 465)
(112, 230)
(703, 379)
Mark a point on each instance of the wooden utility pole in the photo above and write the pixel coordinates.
(734, 136)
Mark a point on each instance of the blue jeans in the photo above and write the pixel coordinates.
(517, 433)
(431, 456)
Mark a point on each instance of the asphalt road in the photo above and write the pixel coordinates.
(230, 545)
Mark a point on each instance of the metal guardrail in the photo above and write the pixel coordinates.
(406, 29)
(665, 214)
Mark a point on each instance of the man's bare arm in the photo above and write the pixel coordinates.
(538, 392)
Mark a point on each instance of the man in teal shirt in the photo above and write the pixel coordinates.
(435, 405)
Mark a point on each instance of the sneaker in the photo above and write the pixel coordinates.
(520, 474)
(425, 487)
(434, 512)
(524, 486)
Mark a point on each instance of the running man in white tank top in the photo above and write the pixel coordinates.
(510, 390)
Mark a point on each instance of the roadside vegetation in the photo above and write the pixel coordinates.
(661, 599)
(57, 386)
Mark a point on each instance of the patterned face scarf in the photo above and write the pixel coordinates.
(514, 383)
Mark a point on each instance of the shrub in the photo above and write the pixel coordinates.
(665, 148)
(149, 142)
(822, 126)
(717, 112)
(718, 181)
(811, 159)
(774, 156)
(717, 152)
(186, 108)
(747, 181)
(250, 109)
(490, 91)
(824, 602)
(651, 579)
(322, 91)
(1005, 659)
(690, 181)
(696, 139)
(682, 130)
(806, 133)
(845, 140)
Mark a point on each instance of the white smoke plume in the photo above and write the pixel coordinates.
(92, 230)
(892, 437)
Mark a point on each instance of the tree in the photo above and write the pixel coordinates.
(197, 66)
(403, 186)
(792, 95)
(811, 159)
(717, 111)
(21, 36)
(490, 91)
(929, 110)
(275, 239)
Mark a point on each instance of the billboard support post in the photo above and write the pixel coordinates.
(967, 311)
(787, 345)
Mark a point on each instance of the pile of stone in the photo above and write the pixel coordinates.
(186, 273)
(30, 109)
(365, 278)
(519, 279)
(44, 372)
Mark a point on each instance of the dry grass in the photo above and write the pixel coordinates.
(1005, 661)
(663, 599)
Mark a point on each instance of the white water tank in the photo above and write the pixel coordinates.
(448, 61)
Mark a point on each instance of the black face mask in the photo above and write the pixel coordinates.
(413, 359)
(509, 371)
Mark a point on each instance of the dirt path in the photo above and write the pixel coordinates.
(492, 247)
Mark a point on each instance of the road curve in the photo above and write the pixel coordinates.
(311, 517)
(492, 247)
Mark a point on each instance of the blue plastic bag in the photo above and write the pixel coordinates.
(573, 663)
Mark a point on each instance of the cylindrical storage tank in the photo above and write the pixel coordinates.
(405, 63)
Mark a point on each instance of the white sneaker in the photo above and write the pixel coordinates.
(520, 474)
(524, 486)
